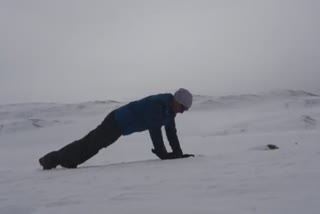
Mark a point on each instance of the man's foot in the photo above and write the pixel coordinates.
(49, 161)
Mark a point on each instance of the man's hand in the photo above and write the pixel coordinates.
(175, 156)
(187, 155)
(171, 155)
(160, 155)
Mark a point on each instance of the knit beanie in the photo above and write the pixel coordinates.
(184, 97)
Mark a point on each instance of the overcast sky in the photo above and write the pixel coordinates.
(73, 50)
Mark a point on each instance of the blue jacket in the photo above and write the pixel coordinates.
(150, 113)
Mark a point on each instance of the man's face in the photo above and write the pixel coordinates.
(179, 108)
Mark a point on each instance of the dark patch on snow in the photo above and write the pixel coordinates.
(266, 147)
(272, 147)
(294, 93)
(309, 121)
(36, 122)
(106, 102)
(312, 102)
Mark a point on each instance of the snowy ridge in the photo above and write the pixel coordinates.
(247, 100)
(29, 116)
(275, 108)
(279, 111)
(23, 117)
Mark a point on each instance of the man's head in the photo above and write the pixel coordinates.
(182, 100)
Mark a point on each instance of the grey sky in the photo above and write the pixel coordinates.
(72, 50)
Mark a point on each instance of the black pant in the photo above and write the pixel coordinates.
(81, 150)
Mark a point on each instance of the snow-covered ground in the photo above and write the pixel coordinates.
(233, 171)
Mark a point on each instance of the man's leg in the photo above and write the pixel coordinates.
(81, 150)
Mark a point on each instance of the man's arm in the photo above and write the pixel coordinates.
(157, 140)
(171, 133)
(160, 149)
(155, 113)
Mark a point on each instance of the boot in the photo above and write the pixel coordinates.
(49, 161)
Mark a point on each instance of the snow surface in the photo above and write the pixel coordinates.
(233, 171)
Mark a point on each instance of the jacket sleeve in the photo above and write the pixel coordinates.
(157, 140)
(171, 132)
